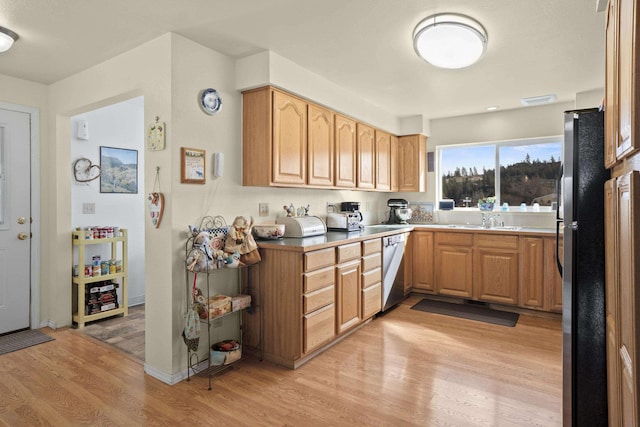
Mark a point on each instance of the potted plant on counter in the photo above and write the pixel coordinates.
(486, 203)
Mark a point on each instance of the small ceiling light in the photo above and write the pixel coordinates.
(492, 108)
(7, 37)
(449, 40)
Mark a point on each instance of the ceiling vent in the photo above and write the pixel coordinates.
(538, 100)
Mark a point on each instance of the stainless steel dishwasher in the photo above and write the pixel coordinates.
(392, 276)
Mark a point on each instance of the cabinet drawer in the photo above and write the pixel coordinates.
(318, 259)
(319, 327)
(497, 241)
(370, 262)
(371, 300)
(318, 279)
(371, 277)
(371, 246)
(456, 239)
(348, 252)
(317, 299)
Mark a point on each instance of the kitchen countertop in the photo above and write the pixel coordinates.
(334, 238)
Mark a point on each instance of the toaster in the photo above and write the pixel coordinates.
(343, 221)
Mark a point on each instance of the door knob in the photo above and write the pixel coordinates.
(22, 236)
(21, 220)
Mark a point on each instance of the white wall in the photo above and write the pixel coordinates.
(120, 125)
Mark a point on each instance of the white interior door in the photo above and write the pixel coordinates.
(15, 220)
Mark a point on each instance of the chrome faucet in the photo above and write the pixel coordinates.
(491, 220)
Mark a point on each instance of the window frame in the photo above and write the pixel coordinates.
(497, 145)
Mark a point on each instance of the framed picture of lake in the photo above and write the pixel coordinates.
(119, 168)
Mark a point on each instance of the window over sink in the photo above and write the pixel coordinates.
(515, 172)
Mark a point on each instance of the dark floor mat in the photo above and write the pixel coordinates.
(20, 340)
(468, 311)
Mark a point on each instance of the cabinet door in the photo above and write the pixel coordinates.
(532, 272)
(454, 271)
(552, 278)
(394, 163)
(612, 303)
(412, 159)
(383, 161)
(611, 86)
(289, 139)
(366, 157)
(347, 295)
(345, 164)
(628, 69)
(422, 248)
(496, 275)
(320, 146)
(628, 223)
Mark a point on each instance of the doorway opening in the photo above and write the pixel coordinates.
(111, 195)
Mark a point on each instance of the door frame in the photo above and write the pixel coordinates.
(34, 243)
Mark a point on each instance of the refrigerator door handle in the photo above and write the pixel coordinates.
(559, 191)
(558, 262)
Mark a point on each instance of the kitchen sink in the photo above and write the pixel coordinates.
(480, 227)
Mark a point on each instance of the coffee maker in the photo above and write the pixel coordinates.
(354, 208)
(399, 211)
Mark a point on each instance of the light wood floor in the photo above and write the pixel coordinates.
(405, 368)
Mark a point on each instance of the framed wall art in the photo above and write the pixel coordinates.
(119, 168)
(192, 165)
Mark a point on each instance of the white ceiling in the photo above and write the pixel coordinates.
(536, 47)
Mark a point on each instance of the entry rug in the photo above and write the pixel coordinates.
(468, 311)
(20, 340)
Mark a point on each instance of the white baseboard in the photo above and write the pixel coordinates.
(48, 324)
(170, 379)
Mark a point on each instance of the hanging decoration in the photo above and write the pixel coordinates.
(156, 201)
(155, 135)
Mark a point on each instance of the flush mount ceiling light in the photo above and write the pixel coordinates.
(449, 40)
(7, 37)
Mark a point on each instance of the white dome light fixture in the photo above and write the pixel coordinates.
(450, 40)
(7, 37)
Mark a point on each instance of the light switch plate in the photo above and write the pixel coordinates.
(263, 209)
(88, 208)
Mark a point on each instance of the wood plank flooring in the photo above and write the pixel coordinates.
(405, 368)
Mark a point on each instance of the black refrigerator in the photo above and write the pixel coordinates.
(581, 220)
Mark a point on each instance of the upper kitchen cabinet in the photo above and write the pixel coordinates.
(320, 148)
(366, 157)
(274, 138)
(345, 140)
(412, 162)
(394, 163)
(383, 160)
(622, 67)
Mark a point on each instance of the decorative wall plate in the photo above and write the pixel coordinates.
(155, 135)
(210, 101)
(156, 208)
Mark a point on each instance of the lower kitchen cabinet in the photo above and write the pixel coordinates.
(371, 296)
(540, 281)
(347, 295)
(496, 268)
(309, 300)
(454, 264)
(422, 254)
